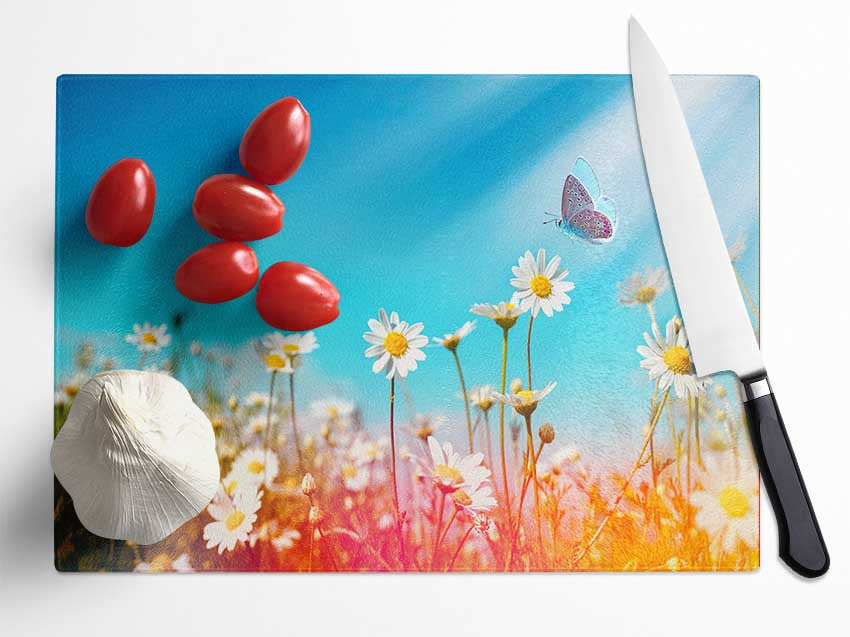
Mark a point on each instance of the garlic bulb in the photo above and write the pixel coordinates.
(136, 455)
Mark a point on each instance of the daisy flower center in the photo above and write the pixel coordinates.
(274, 361)
(72, 390)
(646, 295)
(462, 498)
(424, 431)
(291, 348)
(678, 360)
(349, 471)
(525, 396)
(395, 343)
(231, 487)
(256, 467)
(734, 503)
(149, 338)
(451, 342)
(448, 474)
(484, 404)
(233, 520)
(540, 285)
(333, 413)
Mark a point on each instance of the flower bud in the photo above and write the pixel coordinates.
(516, 386)
(314, 515)
(308, 485)
(546, 433)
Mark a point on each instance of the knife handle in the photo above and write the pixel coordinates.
(801, 544)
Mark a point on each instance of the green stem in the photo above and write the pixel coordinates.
(294, 425)
(526, 481)
(310, 556)
(465, 400)
(448, 525)
(502, 424)
(459, 547)
(677, 449)
(487, 439)
(528, 349)
(268, 423)
(395, 477)
(532, 459)
(652, 438)
(696, 430)
(438, 529)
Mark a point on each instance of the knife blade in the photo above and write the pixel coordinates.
(719, 331)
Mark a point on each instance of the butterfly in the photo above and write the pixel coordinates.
(585, 212)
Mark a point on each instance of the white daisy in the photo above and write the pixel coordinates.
(559, 460)
(474, 500)
(256, 400)
(395, 344)
(286, 540)
(525, 401)
(504, 314)
(148, 338)
(334, 412)
(256, 466)
(451, 341)
(643, 289)
(164, 564)
(365, 451)
(729, 507)
(667, 358)
(292, 344)
(254, 430)
(69, 389)
(450, 472)
(233, 518)
(482, 397)
(263, 533)
(274, 359)
(355, 477)
(235, 481)
(225, 449)
(424, 426)
(540, 285)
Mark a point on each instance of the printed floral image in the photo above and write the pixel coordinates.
(495, 395)
(328, 494)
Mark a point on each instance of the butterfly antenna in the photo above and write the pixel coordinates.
(554, 217)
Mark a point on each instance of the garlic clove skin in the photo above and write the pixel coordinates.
(136, 455)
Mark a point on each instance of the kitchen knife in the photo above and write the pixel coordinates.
(719, 330)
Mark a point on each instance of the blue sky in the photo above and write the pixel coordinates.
(418, 194)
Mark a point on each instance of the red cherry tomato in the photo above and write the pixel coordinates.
(218, 272)
(237, 208)
(295, 297)
(276, 142)
(120, 206)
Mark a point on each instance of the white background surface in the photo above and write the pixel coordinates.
(801, 54)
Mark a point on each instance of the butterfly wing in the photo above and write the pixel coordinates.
(575, 198)
(606, 206)
(590, 225)
(586, 175)
(580, 190)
